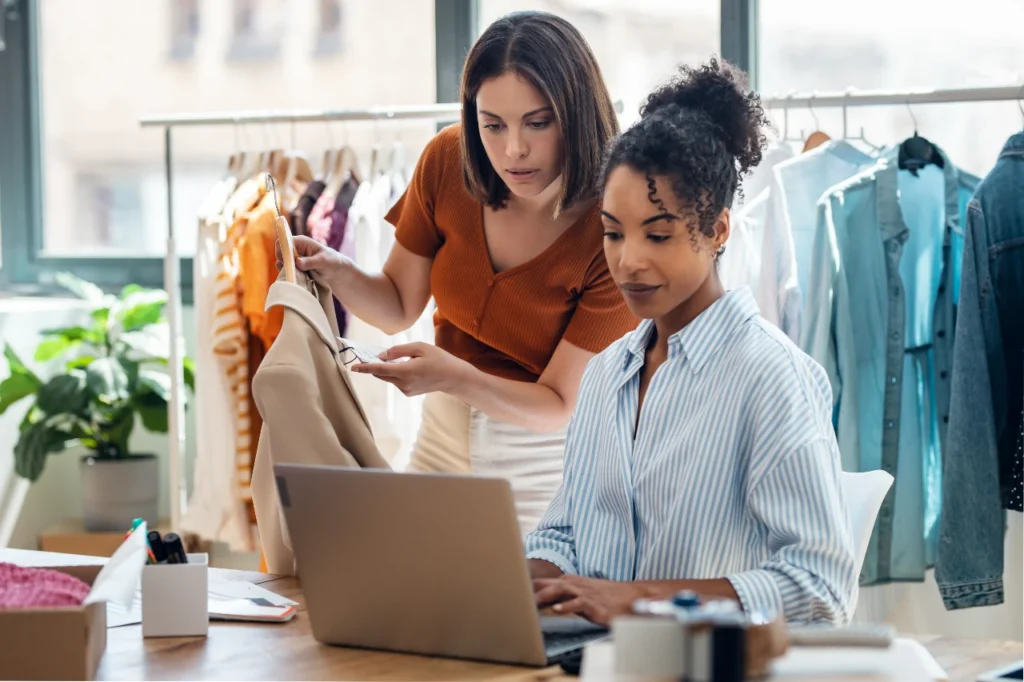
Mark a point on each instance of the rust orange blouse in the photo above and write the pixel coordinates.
(506, 324)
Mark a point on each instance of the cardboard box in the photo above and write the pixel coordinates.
(64, 643)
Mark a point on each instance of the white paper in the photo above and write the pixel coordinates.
(119, 579)
(221, 589)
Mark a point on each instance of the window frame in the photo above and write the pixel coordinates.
(26, 268)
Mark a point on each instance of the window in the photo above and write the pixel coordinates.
(257, 29)
(83, 185)
(638, 43)
(184, 28)
(329, 35)
(884, 45)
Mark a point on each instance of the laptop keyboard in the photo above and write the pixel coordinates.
(567, 634)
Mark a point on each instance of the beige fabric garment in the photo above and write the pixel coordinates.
(310, 413)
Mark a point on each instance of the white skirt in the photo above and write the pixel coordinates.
(456, 438)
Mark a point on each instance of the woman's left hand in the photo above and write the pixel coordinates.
(428, 369)
(596, 600)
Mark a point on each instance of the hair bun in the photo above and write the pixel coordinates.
(717, 91)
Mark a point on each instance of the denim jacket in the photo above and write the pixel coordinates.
(987, 386)
(879, 317)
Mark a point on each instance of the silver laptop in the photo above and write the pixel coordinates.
(420, 563)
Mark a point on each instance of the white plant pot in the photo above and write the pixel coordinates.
(116, 491)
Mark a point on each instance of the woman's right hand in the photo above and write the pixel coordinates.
(312, 256)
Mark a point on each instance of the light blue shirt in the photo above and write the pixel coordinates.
(789, 225)
(879, 318)
(733, 473)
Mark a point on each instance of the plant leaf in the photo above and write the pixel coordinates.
(117, 431)
(52, 347)
(190, 373)
(107, 380)
(130, 289)
(22, 382)
(76, 333)
(14, 388)
(65, 394)
(145, 345)
(35, 443)
(140, 309)
(81, 288)
(154, 417)
(155, 382)
(80, 362)
(17, 366)
(100, 316)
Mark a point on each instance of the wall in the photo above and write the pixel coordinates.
(57, 494)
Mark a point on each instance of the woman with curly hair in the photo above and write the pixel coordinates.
(701, 454)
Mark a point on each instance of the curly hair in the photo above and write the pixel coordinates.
(703, 130)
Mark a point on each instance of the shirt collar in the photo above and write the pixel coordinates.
(700, 339)
(1014, 146)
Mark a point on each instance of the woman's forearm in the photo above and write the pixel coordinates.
(666, 589)
(373, 298)
(529, 405)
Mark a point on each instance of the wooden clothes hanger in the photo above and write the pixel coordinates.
(284, 235)
(817, 138)
(345, 165)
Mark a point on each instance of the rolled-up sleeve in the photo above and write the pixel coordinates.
(810, 574)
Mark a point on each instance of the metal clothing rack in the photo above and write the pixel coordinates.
(438, 112)
(172, 266)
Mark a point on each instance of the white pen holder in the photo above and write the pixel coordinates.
(174, 598)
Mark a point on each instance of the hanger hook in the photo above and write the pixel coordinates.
(272, 187)
(1020, 100)
(238, 138)
(912, 117)
(294, 143)
(810, 107)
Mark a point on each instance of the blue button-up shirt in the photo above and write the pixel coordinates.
(733, 471)
(879, 317)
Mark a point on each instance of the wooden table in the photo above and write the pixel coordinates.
(249, 651)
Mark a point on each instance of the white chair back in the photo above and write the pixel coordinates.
(864, 493)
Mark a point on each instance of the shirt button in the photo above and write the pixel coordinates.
(942, 288)
(945, 420)
(943, 375)
(890, 423)
(942, 334)
(895, 336)
(490, 282)
(892, 379)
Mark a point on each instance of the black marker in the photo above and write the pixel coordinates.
(175, 550)
(157, 545)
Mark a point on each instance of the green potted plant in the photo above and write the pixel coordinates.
(108, 373)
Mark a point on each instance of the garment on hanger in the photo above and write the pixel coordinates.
(394, 417)
(311, 414)
(879, 318)
(981, 462)
(216, 509)
(790, 215)
(740, 265)
(258, 267)
(305, 204)
(760, 177)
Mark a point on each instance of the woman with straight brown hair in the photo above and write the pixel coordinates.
(501, 225)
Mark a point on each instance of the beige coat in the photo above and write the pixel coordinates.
(311, 414)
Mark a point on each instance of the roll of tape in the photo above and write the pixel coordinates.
(649, 648)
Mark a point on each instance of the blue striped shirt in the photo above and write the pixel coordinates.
(734, 471)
